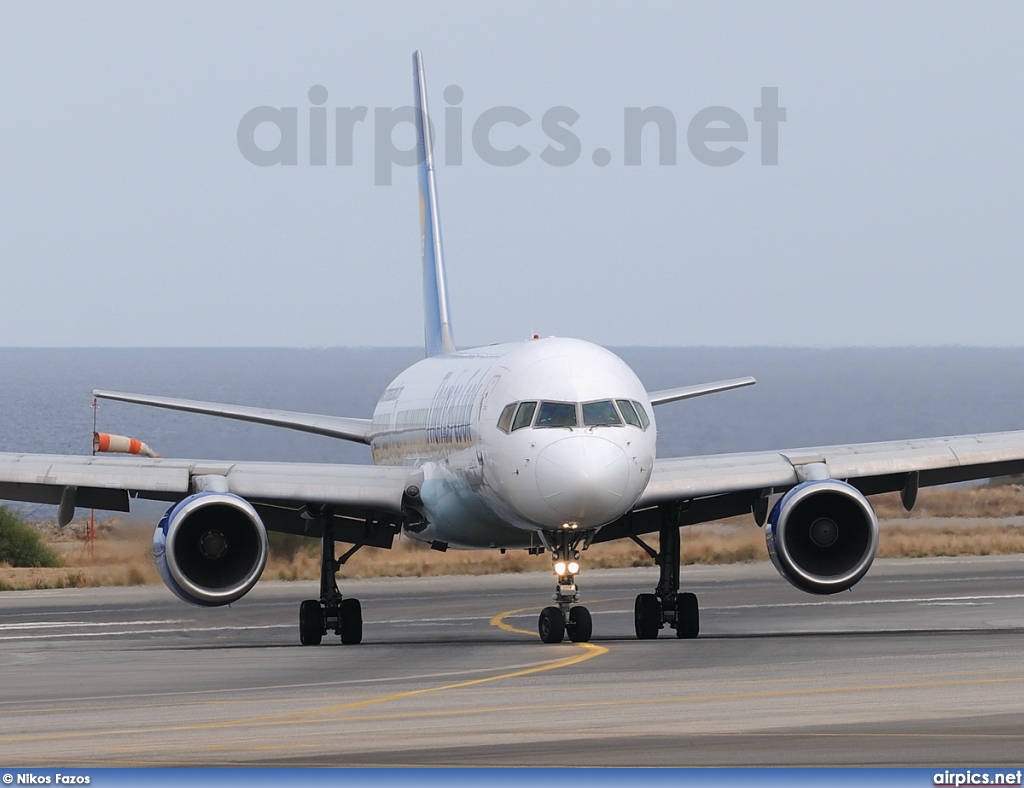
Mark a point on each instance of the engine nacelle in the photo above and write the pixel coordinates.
(211, 548)
(822, 536)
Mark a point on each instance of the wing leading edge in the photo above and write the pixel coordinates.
(711, 487)
(345, 428)
(688, 392)
(875, 467)
(367, 493)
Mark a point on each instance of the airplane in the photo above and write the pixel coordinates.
(546, 445)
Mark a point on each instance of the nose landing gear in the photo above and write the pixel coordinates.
(565, 617)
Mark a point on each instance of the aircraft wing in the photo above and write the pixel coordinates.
(688, 392)
(364, 494)
(724, 485)
(349, 429)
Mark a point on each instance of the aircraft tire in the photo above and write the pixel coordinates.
(351, 621)
(581, 625)
(311, 623)
(687, 616)
(647, 616)
(551, 625)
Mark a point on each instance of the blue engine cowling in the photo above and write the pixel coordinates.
(822, 536)
(210, 548)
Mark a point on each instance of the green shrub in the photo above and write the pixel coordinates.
(21, 545)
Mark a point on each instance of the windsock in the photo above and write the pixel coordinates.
(102, 442)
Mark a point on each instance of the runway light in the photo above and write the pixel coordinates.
(574, 568)
(560, 568)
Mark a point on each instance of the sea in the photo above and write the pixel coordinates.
(803, 397)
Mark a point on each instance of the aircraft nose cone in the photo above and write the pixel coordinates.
(585, 480)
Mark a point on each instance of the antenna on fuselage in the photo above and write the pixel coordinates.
(437, 326)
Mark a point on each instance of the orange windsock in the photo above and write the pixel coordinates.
(119, 444)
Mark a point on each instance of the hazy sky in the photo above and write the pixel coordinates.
(129, 216)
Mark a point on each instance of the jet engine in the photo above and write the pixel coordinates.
(822, 536)
(210, 548)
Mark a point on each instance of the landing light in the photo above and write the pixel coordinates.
(562, 568)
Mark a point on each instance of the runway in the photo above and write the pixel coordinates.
(919, 665)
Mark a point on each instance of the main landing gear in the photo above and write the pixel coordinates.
(331, 611)
(666, 605)
(567, 618)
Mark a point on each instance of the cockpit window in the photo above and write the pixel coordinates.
(505, 419)
(524, 415)
(600, 414)
(629, 412)
(603, 413)
(644, 421)
(556, 414)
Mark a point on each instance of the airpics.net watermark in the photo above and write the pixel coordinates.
(711, 134)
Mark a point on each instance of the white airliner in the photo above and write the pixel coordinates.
(546, 445)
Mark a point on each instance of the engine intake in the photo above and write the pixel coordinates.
(822, 536)
(211, 548)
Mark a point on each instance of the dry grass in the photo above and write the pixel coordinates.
(991, 501)
(940, 525)
(925, 541)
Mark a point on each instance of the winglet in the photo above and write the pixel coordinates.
(436, 320)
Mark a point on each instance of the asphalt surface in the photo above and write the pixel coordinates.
(921, 664)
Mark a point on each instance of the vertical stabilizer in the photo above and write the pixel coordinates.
(437, 325)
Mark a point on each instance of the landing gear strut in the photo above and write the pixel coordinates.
(567, 618)
(666, 605)
(331, 611)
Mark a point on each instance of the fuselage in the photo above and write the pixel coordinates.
(518, 438)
